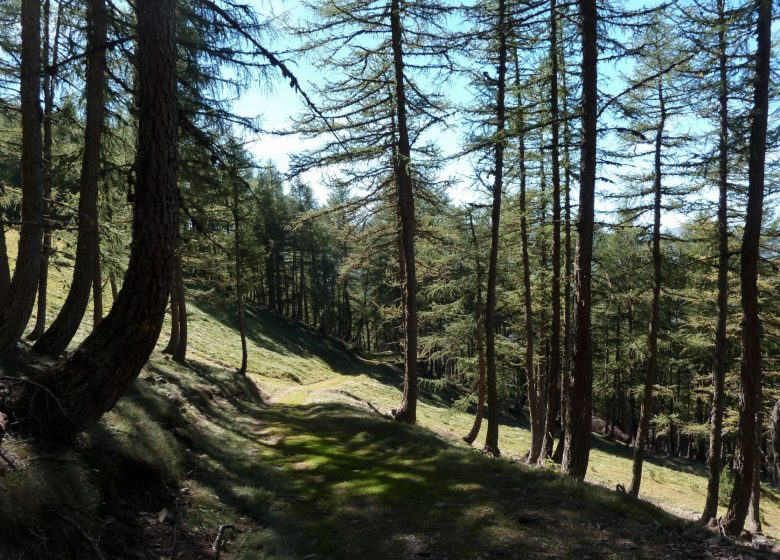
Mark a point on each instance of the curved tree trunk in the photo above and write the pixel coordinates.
(82, 388)
(491, 439)
(407, 411)
(646, 412)
(59, 334)
(750, 368)
(576, 448)
(19, 302)
(477, 425)
(719, 366)
(480, 336)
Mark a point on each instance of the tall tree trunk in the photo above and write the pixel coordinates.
(82, 388)
(535, 410)
(491, 439)
(576, 448)
(544, 344)
(59, 334)
(719, 365)
(750, 369)
(21, 293)
(554, 367)
(48, 106)
(239, 279)
(479, 327)
(566, 369)
(407, 411)
(646, 412)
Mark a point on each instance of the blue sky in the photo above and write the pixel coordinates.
(276, 103)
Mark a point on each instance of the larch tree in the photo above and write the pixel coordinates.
(18, 304)
(554, 366)
(59, 334)
(374, 115)
(402, 161)
(50, 54)
(652, 339)
(720, 366)
(576, 449)
(491, 442)
(80, 389)
(536, 411)
(750, 367)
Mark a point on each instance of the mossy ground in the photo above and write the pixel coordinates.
(297, 462)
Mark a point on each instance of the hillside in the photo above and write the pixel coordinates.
(294, 461)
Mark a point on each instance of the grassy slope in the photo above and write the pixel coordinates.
(304, 469)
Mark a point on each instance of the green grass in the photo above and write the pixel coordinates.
(294, 458)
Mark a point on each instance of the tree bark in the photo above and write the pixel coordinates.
(59, 334)
(576, 448)
(21, 292)
(82, 388)
(554, 367)
(750, 368)
(491, 439)
(719, 365)
(407, 411)
(646, 412)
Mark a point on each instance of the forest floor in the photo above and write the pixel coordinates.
(297, 461)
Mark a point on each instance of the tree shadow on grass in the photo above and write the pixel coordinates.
(624, 451)
(291, 339)
(341, 483)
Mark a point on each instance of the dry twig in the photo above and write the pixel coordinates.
(218, 540)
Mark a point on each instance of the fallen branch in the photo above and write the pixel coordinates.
(7, 458)
(218, 540)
